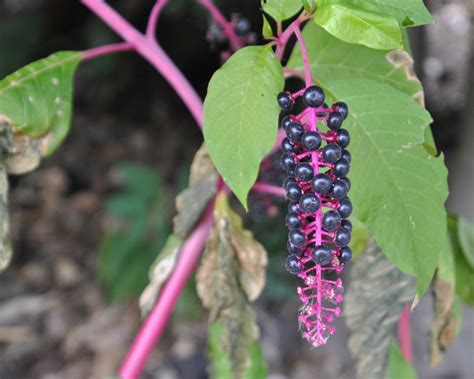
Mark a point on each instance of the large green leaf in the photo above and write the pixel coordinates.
(354, 24)
(466, 239)
(281, 10)
(37, 98)
(241, 115)
(332, 59)
(398, 367)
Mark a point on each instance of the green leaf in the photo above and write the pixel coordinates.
(281, 10)
(220, 366)
(308, 5)
(466, 239)
(257, 368)
(355, 25)
(267, 31)
(241, 115)
(360, 237)
(37, 98)
(398, 367)
(332, 59)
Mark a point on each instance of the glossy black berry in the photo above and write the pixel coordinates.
(215, 35)
(343, 237)
(285, 123)
(334, 120)
(297, 237)
(293, 221)
(346, 254)
(345, 208)
(346, 155)
(293, 207)
(313, 97)
(339, 190)
(321, 183)
(341, 168)
(331, 221)
(287, 146)
(242, 26)
(346, 224)
(293, 265)
(311, 141)
(292, 249)
(343, 138)
(295, 132)
(287, 162)
(321, 255)
(348, 182)
(288, 180)
(342, 108)
(331, 153)
(304, 172)
(293, 192)
(285, 101)
(309, 203)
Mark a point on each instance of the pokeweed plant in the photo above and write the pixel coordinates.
(349, 53)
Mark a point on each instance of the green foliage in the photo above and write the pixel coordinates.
(463, 270)
(281, 10)
(398, 367)
(466, 239)
(37, 98)
(267, 31)
(241, 115)
(360, 237)
(353, 24)
(387, 150)
(141, 227)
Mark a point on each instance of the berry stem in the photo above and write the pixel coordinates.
(153, 326)
(227, 27)
(404, 334)
(100, 51)
(153, 19)
(152, 52)
(263, 187)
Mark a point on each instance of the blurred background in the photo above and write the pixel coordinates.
(67, 303)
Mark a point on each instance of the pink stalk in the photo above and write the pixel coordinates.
(153, 326)
(404, 334)
(153, 20)
(152, 52)
(227, 27)
(270, 189)
(107, 49)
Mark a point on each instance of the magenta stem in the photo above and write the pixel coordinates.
(107, 49)
(153, 326)
(153, 53)
(404, 334)
(227, 27)
(153, 19)
(263, 187)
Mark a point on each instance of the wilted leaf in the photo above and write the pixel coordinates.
(398, 367)
(373, 304)
(220, 287)
(5, 244)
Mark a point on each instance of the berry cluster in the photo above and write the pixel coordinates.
(316, 162)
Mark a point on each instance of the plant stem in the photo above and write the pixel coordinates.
(152, 52)
(404, 334)
(153, 19)
(96, 52)
(227, 27)
(263, 187)
(153, 326)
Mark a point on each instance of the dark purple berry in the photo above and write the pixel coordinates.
(293, 221)
(287, 162)
(292, 249)
(293, 265)
(343, 237)
(309, 203)
(339, 190)
(287, 146)
(321, 183)
(311, 141)
(313, 97)
(321, 255)
(285, 123)
(331, 221)
(348, 182)
(346, 224)
(346, 155)
(297, 237)
(334, 120)
(343, 138)
(293, 192)
(345, 208)
(341, 168)
(331, 153)
(304, 172)
(342, 108)
(242, 26)
(285, 101)
(295, 132)
(346, 254)
(288, 180)
(293, 207)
